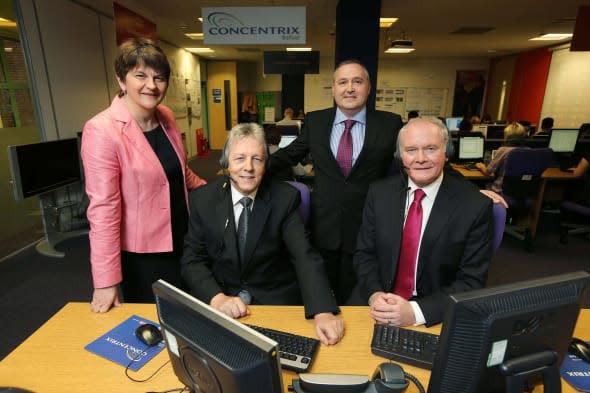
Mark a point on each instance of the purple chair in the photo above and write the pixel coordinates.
(499, 212)
(575, 220)
(520, 188)
(305, 206)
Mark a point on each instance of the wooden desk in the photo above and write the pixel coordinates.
(549, 187)
(53, 359)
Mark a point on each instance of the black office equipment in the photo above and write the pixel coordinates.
(471, 148)
(404, 345)
(495, 131)
(38, 168)
(498, 339)
(210, 351)
(296, 352)
(563, 140)
(281, 62)
(291, 129)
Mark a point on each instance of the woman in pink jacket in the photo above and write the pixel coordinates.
(137, 181)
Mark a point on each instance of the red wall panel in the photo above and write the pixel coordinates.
(528, 85)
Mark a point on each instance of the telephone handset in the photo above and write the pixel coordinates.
(387, 378)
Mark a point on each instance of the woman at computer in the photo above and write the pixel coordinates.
(137, 182)
(514, 135)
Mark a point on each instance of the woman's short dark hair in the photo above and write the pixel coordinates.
(137, 51)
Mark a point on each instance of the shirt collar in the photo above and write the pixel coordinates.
(236, 195)
(360, 117)
(430, 190)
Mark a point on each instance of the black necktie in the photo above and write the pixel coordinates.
(243, 225)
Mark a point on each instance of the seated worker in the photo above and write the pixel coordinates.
(475, 120)
(580, 191)
(406, 271)
(546, 126)
(514, 135)
(466, 129)
(273, 138)
(235, 255)
(288, 119)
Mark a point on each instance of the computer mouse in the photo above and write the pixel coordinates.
(148, 334)
(9, 389)
(580, 348)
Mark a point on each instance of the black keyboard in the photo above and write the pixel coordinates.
(295, 352)
(404, 345)
(470, 166)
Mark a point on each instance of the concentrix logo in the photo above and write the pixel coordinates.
(223, 23)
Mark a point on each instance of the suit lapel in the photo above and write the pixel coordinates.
(396, 215)
(224, 214)
(260, 212)
(443, 205)
(368, 143)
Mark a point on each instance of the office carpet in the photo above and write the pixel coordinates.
(33, 287)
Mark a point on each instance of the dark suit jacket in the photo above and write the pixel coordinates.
(278, 258)
(336, 201)
(456, 245)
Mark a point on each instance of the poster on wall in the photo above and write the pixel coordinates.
(469, 89)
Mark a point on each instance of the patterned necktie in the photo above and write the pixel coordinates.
(344, 155)
(406, 267)
(243, 225)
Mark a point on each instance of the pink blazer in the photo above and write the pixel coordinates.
(128, 189)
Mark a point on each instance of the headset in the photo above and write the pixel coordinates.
(450, 148)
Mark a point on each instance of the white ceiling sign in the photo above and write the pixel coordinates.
(253, 25)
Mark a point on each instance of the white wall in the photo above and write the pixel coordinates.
(567, 93)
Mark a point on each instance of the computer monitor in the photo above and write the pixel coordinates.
(291, 129)
(286, 140)
(513, 325)
(453, 123)
(39, 168)
(563, 140)
(211, 352)
(495, 131)
(471, 148)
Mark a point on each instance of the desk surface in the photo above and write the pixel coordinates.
(53, 359)
(548, 174)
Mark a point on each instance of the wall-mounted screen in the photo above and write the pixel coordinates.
(281, 62)
(38, 168)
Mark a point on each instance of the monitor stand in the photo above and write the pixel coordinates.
(518, 370)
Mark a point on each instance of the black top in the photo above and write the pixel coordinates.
(171, 164)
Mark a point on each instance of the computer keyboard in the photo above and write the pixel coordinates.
(295, 352)
(404, 345)
(470, 166)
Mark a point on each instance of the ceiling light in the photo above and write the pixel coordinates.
(401, 46)
(298, 49)
(200, 50)
(7, 23)
(194, 36)
(385, 23)
(200, 19)
(551, 37)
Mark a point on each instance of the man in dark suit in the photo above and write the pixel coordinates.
(339, 194)
(452, 248)
(235, 255)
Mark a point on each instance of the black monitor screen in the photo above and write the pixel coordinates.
(471, 148)
(486, 328)
(38, 168)
(495, 131)
(211, 352)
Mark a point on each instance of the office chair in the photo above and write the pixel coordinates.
(305, 206)
(521, 188)
(575, 220)
(499, 212)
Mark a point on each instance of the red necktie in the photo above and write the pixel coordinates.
(406, 267)
(344, 155)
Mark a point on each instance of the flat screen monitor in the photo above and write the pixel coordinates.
(505, 325)
(495, 131)
(38, 168)
(471, 148)
(292, 129)
(211, 352)
(453, 123)
(286, 140)
(563, 140)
